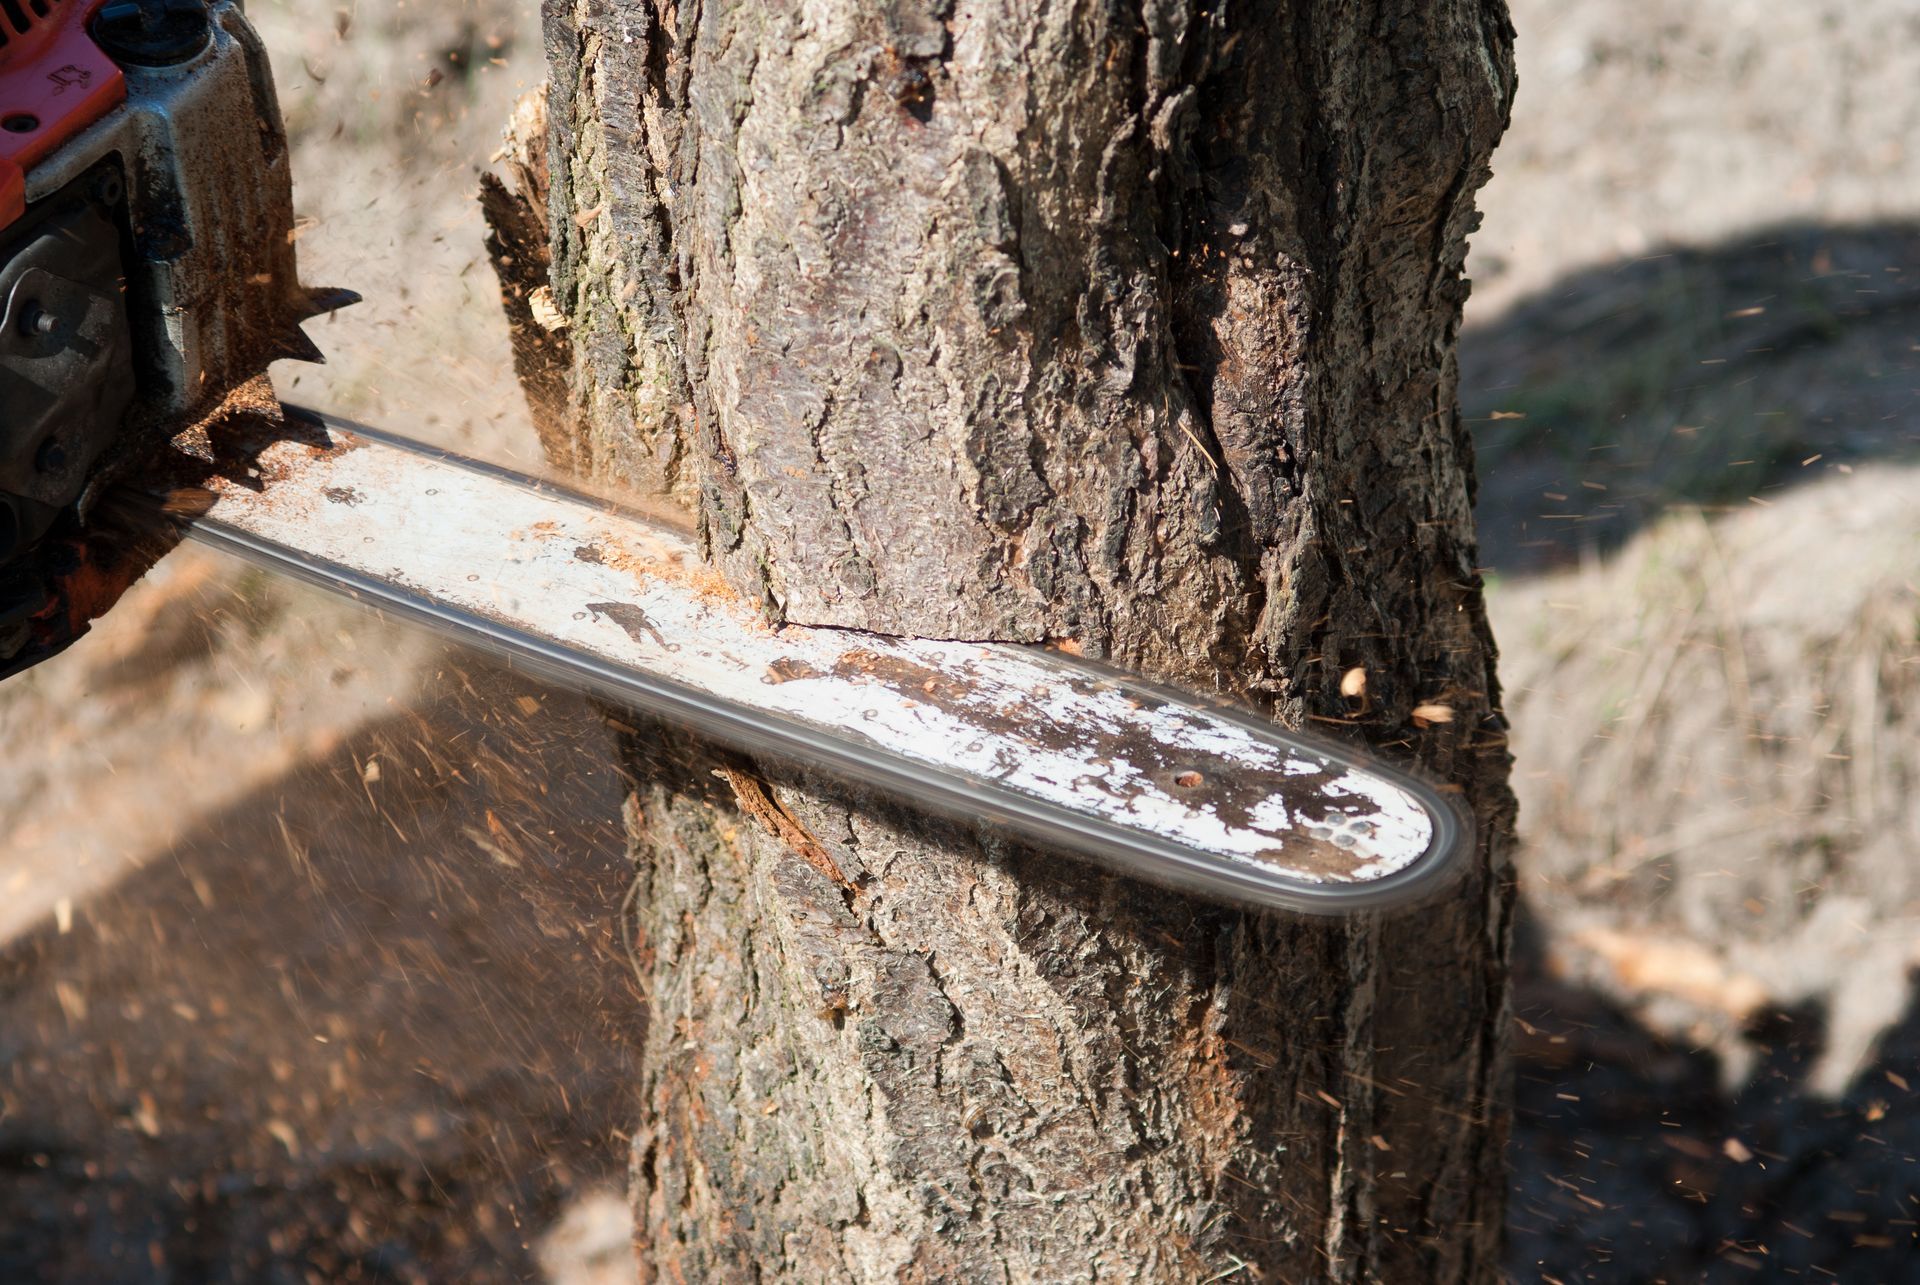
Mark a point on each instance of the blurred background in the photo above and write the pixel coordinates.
(311, 965)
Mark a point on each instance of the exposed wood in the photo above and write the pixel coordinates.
(758, 800)
(515, 209)
(1131, 327)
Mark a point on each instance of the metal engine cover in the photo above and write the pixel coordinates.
(66, 353)
(150, 272)
(211, 276)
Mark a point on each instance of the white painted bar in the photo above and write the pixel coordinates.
(1069, 756)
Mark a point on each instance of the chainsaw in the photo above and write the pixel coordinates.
(147, 281)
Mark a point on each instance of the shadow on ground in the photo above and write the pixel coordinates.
(372, 1023)
(1709, 377)
(1712, 380)
(1633, 1162)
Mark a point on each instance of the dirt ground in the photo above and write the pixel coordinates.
(311, 960)
(367, 1021)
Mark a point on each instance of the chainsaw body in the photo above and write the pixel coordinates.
(146, 265)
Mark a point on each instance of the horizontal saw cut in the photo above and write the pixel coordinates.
(1070, 756)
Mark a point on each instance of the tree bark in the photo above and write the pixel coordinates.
(1126, 327)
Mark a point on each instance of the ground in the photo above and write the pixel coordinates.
(1691, 366)
(313, 965)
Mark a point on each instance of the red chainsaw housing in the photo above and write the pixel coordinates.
(54, 82)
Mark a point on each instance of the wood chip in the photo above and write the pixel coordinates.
(545, 313)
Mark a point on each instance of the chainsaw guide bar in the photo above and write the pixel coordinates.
(1070, 756)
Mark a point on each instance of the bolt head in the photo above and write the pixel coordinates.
(36, 321)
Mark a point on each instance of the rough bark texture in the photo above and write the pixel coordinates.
(1129, 325)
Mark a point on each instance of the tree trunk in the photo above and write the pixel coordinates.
(1125, 327)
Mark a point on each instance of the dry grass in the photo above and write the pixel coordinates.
(1718, 737)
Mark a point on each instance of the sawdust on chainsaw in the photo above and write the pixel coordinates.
(661, 563)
